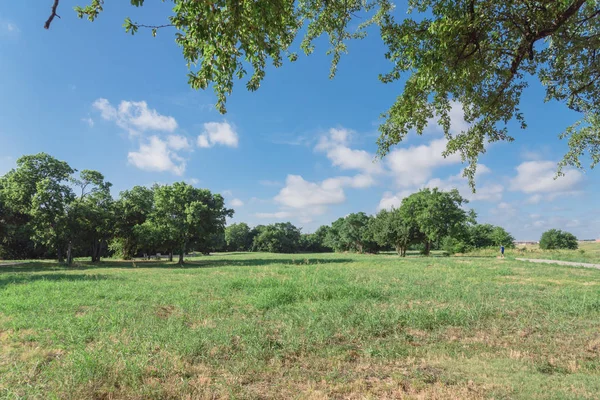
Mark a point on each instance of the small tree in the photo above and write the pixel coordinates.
(556, 239)
(278, 238)
(389, 229)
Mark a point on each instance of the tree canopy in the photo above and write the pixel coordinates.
(479, 54)
(554, 239)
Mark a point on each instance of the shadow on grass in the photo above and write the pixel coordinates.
(189, 264)
(6, 280)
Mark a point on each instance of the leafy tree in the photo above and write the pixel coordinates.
(315, 242)
(474, 53)
(237, 237)
(36, 195)
(435, 214)
(50, 217)
(487, 235)
(500, 237)
(351, 233)
(333, 237)
(389, 229)
(133, 208)
(187, 216)
(93, 213)
(556, 239)
(278, 238)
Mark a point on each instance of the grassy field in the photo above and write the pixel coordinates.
(588, 252)
(300, 326)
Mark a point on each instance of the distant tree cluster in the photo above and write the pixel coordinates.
(426, 220)
(555, 239)
(48, 209)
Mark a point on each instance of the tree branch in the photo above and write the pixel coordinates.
(152, 26)
(54, 14)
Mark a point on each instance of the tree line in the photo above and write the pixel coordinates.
(426, 220)
(49, 209)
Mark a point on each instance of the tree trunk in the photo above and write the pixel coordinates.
(399, 249)
(60, 255)
(70, 254)
(170, 256)
(427, 247)
(181, 254)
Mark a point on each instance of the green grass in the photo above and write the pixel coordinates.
(300, 326)
(588, 252)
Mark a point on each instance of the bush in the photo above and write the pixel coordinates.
(556, 239)
(452, 246)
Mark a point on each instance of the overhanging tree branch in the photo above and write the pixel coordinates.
(54, 14)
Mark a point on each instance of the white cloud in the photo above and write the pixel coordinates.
(192, 181)
(218, 133)
(88, 121)
(390, 200)
(275, 215)
(236, 203)
(414, 165)
(299, 193)
(537, 178)
(135, 116)
(335, 146)
(178, 142)
(484, 192)
(504, 209)
(154, 155)
(8, 27)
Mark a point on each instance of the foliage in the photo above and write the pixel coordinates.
(435, 214)
(487, 235)
(352, 233)
(315, 242)
(477, 55)
(132, 209)
(389, 229)
(557, 239)
(278, 238)
(187, 216)
(237, 237)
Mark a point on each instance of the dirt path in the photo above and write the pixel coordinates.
(569, 263)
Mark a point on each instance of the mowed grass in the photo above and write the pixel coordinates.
(300, 326)
(588, 252)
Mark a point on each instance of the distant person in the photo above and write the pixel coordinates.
(502, 250)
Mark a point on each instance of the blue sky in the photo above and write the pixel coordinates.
(299, 149)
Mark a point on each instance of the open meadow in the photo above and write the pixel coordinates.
(587, 252)
(300, 326)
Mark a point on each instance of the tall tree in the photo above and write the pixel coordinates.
(133, 208)
(477, 54)
(38, 195)
(93, 213)
(435, 214)
(188, 216)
